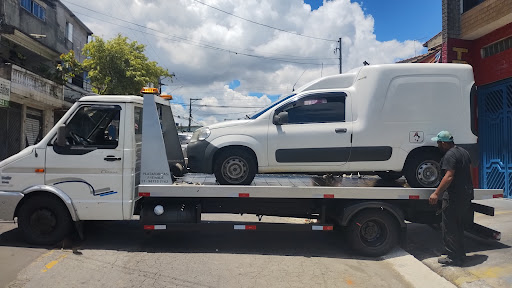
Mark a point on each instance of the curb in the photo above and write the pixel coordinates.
(414, 271)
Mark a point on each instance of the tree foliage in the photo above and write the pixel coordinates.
(116, 66)
(69, 66)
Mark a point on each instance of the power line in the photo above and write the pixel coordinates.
(264, 25)
(195, 43)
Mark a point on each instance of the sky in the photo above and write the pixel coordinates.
(237, 56)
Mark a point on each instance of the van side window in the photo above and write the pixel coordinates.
(94, 126)
(316, 108)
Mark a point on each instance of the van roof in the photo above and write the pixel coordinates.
(120, 99)
(347, 79)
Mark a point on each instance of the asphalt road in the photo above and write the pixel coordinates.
(119, 254)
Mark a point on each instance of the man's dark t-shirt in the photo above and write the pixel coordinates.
(461, 188)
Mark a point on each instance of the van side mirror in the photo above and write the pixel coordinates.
(61, 136)
(281, 118)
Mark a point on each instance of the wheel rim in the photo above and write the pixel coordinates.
(373, 233)
(235, 169)
(428, 173)
(43, 222)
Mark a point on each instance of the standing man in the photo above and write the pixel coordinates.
(457, 183)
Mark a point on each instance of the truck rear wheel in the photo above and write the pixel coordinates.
(373, 232)
(44, 220)
(235, 166)
(423, 171)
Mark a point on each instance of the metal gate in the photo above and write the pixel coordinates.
(495, 135)
(10, 130)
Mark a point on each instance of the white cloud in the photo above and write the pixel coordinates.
(188, 27)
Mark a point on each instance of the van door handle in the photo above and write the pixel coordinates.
(111, 158)
(340, 130)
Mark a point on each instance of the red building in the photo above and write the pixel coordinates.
(479, 32)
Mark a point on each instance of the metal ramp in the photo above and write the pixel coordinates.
(495, 136)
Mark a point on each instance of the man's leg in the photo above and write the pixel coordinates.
(460, 251)
(452, 235)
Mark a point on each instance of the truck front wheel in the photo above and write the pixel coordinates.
(373, 232)
(44, 220)
(235, 166)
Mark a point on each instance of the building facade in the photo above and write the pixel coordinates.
(479, 32)
(33, 35)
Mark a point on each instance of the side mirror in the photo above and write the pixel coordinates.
(61, 136)
(281, 118)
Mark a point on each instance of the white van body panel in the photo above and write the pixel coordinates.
(390, 110)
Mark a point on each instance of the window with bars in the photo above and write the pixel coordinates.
(496, 47)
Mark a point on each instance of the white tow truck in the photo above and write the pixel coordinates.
(106, 160)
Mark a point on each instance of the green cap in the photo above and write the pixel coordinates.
(443, 136)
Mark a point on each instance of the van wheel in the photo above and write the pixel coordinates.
(424, 171)
(389, 175)
(44, 220)
(373, 232)
(235, 166)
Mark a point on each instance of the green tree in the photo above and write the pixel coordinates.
(69, 66)
(117, 66)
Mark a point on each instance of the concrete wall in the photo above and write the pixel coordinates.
(54, 26)
(25, 21)
(451, 19)
(80, 34)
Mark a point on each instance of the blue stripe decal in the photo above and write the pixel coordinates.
(105, 194)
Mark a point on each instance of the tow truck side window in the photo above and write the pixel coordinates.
(94, 126)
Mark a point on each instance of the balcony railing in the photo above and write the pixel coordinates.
(31, 83)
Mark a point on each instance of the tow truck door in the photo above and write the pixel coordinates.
(88, 168)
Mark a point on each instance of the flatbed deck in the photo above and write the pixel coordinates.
(297, 187)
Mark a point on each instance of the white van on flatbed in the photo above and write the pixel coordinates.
(376, 119)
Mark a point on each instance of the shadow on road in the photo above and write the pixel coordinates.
(129, 236)
(426, 242)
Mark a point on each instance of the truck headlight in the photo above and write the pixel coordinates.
(200, 134)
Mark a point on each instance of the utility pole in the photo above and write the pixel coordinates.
(190, 112)
(338, 49)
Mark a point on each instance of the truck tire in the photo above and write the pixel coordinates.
(235, 166)
(423, 170)
(44, 220)
(373, 232)
(389, 175)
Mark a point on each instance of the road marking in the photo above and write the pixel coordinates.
(54, 262)
(485, 273)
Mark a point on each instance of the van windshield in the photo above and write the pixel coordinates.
(257, 114)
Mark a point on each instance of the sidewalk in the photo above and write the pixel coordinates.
(489, 263)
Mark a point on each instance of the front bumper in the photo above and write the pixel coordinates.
(200, 156)
(8, 203)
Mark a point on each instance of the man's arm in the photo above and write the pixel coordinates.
(445, 182)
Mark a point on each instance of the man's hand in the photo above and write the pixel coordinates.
(433, 199)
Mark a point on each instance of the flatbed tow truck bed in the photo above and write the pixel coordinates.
(373, 217)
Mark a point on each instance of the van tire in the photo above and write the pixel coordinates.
(423, 170)
(373, 232)
(44, 220)
(235, 166)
